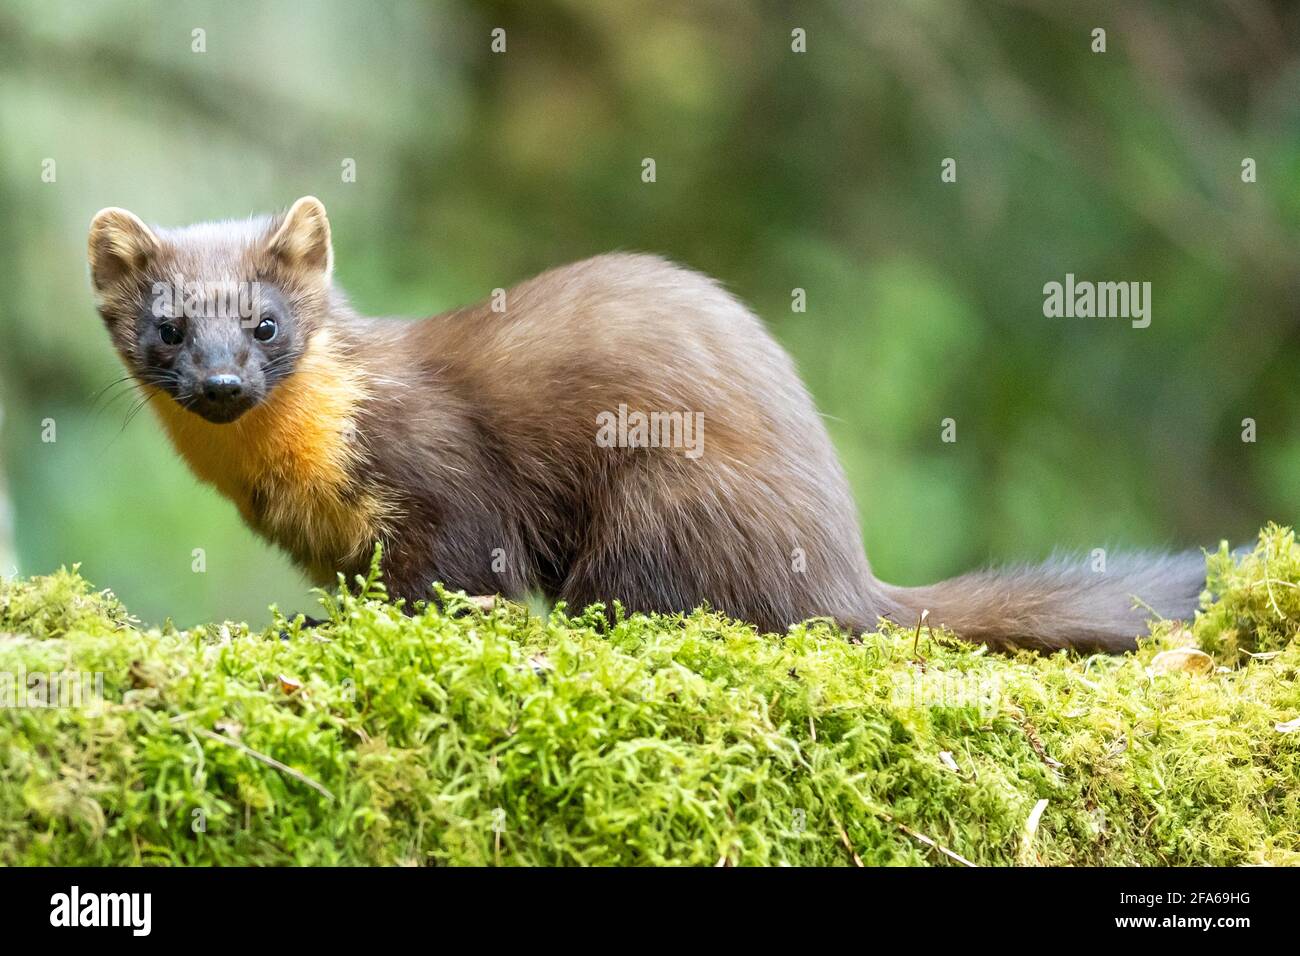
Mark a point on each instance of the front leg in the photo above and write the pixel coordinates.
(308, 623)
(480, 557)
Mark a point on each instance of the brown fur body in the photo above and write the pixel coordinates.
(465, 443)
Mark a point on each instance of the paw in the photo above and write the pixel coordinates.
(308, 623)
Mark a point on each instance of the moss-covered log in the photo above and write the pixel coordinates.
(459, 736)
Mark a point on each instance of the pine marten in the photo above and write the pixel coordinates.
(513, 446)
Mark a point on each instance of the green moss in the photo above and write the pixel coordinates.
(461, 737)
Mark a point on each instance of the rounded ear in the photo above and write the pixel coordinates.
(120, 247)
(302, 242)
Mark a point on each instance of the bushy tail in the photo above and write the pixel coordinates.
(1062, 603)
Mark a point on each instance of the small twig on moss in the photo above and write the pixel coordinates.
(1036, 742)
(935, 844)
(922, 618)
(1031, 828)
(848, 845)
(914, 834)
(269, 761)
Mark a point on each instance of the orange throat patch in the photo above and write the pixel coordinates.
(289, 464)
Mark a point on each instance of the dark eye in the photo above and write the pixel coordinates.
(171, 333)
(265, 330)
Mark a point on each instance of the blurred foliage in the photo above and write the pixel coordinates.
(776, 170)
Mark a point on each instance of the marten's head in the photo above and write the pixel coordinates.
(216, 314)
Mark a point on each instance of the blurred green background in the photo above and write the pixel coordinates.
(775, 170)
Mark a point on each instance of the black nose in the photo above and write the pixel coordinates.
(222, 388)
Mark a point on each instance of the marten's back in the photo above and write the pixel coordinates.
(749, 511)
